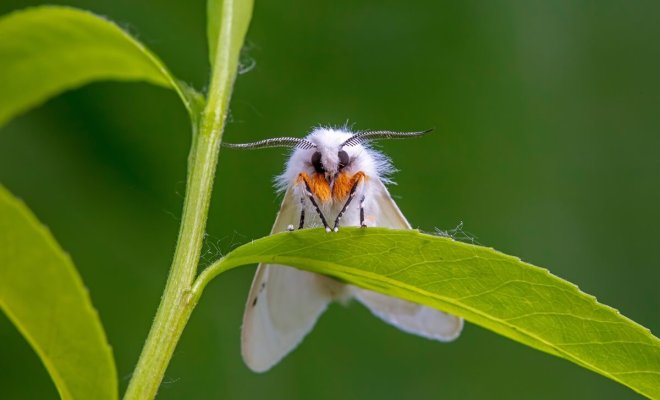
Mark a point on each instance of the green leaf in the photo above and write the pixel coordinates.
(43, 295)
(47, 50)
(239, 22)
(496, 291)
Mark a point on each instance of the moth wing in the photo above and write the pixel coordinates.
(408, 316)
(283, 305)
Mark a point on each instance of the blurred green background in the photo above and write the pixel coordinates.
(547, 147)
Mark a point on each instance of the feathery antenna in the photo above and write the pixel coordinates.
(273, 142)
(370, 135)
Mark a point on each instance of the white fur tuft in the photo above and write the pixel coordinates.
(363, 158)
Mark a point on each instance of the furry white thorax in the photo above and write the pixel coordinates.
(362, 157)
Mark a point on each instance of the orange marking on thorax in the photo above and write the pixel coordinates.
(317, 184)
(344, 183)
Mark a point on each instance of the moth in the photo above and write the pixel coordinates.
(333, 178)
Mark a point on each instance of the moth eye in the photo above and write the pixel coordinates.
(316, 162)
(343, 159)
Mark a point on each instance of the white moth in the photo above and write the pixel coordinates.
(332, 176)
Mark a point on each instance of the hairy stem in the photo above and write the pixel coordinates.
(175, 307)
(177, 301)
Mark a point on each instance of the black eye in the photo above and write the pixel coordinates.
(343, 159)
(316, 162)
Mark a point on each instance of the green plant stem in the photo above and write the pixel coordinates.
(175, 306)
(173, 314)
(178, 300)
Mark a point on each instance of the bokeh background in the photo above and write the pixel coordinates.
(547, 147)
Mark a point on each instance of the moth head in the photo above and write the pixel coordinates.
(328, 158)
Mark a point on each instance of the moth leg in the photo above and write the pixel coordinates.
(302, 213)
(358, 177)
(310, 195)
(290, 228)
(362, 224)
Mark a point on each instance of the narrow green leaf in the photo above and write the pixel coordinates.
(47, 50)
(488, 288)
(43, 295)
(242, 13)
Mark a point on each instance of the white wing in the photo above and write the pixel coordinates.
(409, 317)
(283, 305)
(284, 302)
